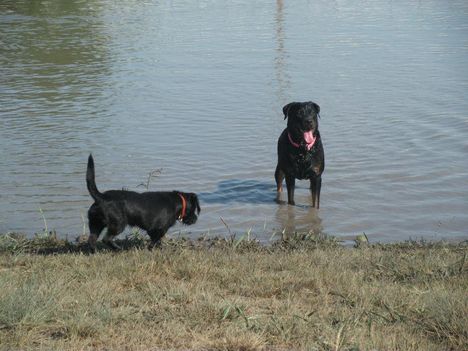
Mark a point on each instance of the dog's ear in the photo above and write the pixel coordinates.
(287, 107)
(316, 108)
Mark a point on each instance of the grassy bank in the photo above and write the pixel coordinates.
(226, 294)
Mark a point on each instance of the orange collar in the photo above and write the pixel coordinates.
(184, 207)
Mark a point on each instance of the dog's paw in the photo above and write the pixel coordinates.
(112, 245)
(155, 244)
(279, 201)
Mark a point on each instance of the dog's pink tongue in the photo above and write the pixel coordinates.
(309, 137)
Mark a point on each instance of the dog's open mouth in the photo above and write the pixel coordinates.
(309, 140)
(309, 137)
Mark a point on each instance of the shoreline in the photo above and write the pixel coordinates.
(50, 243)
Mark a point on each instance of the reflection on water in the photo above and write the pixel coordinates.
(298, 219)
(280, 60)
(196, 89)
(54, 63)
(51, 53)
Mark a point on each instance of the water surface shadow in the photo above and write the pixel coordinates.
(241, 191)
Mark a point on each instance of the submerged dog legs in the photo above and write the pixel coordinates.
(279, 177)
(315, 186)
(290, 185)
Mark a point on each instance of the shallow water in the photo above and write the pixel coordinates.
(196, 89)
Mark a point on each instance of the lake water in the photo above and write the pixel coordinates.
(196, 89)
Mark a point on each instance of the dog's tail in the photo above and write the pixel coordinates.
(90, 180)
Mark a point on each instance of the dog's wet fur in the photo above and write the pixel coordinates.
(297, 161)
(154, 212)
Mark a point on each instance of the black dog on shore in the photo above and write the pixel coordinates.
(300, 150)
(154, 212)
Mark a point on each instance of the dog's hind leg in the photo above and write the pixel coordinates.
(96, 225)
(116, 223)
(115, 226)
(95, 230)
(112, 232)
(108, 238)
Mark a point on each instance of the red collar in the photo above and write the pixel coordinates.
(308, 145)
(184, 207)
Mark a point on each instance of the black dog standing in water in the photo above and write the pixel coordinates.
(154, 212)
(300, 150)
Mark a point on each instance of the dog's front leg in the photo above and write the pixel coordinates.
(313, 189)
(290, 185)
(319, 187)
(279, 177)
(154, 244)
(315, 186)
(156, 236)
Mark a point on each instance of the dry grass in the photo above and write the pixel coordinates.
(303, 293)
